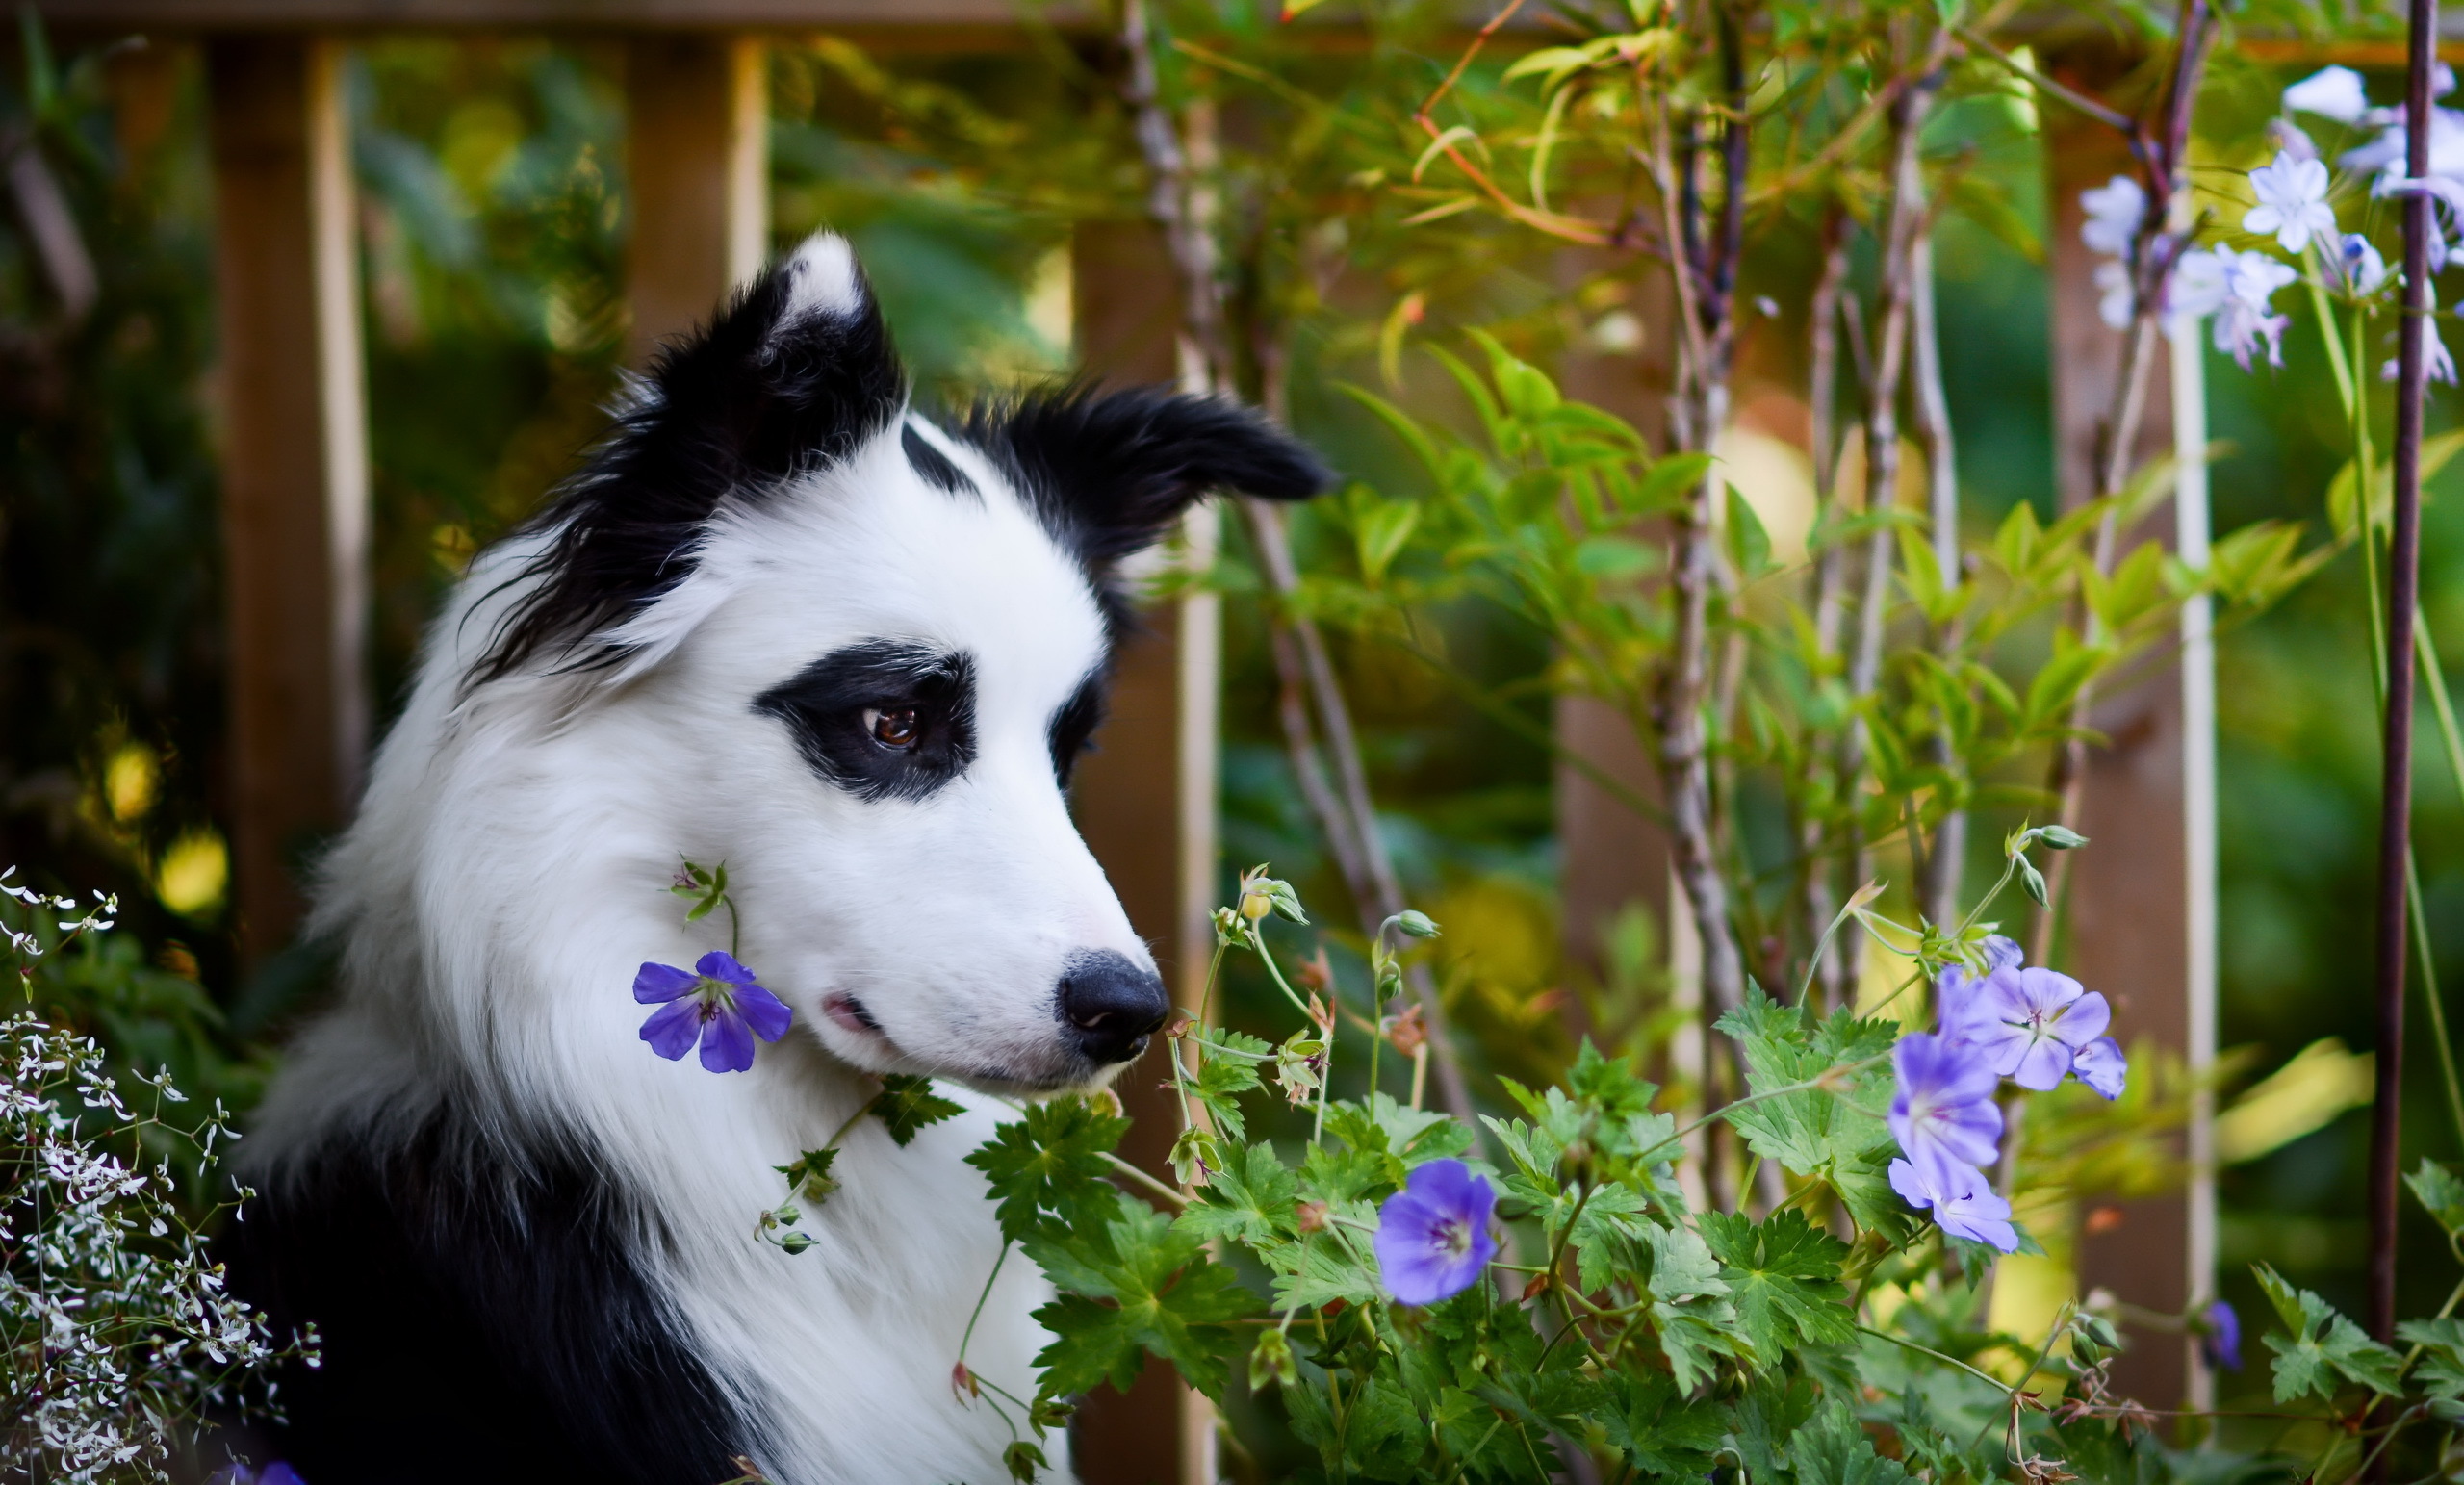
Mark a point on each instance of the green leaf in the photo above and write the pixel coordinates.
(1663, 1433)
(1689, 1305)
(1749, 543)
(1820, 1132)
(1250, 1200)
(1608, 1084)
(2441, 1193)
(1137, 1283)
(1379, 534)
(1024, 1461)
(1053, 1161)
(1783, 1277)
(2442, 1365)
(1833, 1449)
(808, 1175)
(2323, 1345)
(906, 1105)
(1227, 1067)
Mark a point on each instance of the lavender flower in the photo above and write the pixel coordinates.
(2219, 1337)
(2114, 210)
(238, 1472)
(717, 1002)
(2116, 294)
(1433, 1235)
(2293, 202)
(2029, 1024)
(2101, 1065)
(2196, 290)
(2440, 366)
(2358, 269)
(1944, 1114)
(2291, 139)
(1962, 1203)
(1955, 989)
(2330, 92)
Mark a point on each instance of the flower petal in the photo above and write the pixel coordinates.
(2101, 1065)
(2045, 1063)
(2084, 1019)
(720, 964)
(672, 1029)
(656, 982)
(727, 1043)
(766, 1014)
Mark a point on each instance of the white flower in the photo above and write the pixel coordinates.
(2196, 291)
(2441, 365)
(2116, 298)
(2293, 202)
(2290, 139)
(2245, 319)
(2330, 92)
(2115, 210)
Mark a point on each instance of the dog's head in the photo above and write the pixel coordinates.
(855, 655)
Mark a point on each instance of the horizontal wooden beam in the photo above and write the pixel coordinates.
(199, 15)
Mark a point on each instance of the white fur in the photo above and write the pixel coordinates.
(509, 873)
(822, 279)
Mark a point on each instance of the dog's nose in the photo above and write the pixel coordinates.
(1111, 1006)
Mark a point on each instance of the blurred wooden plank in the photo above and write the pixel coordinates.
(295, 460)
(2127, 931)
(698, 163)
(1145, 802)
(580, 14)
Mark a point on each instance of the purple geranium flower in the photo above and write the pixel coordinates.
(1955, 989)
(717, 1002)
(1944, 1113)
(2219, 1337)
(1963, 1202)
(2031, 1023)
(2101, 1066)
(1433, 1235)
(238, 1472)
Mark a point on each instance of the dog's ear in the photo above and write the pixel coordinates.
(796, 373)
(1110, 472)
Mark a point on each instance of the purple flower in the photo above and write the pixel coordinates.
(2031, 1023)
(1963, 1202)
(238, 1472)
(1433, 1235)
(1955, 989)
(1944, 1113)
(716, 1002)
(2101, 1066)
(2219, 1337)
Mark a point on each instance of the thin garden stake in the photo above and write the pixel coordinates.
(2403, 586)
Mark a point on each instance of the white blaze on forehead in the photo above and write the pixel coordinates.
(822, 280)
(867, 550)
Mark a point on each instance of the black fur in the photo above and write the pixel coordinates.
(734, 409)
(1073, 726)
(934, 466)
(483, 1318)
(1107, 473)
(824, 706)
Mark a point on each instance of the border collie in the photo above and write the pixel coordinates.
(782, 621)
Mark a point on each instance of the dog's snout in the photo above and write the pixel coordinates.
(1111, 1006)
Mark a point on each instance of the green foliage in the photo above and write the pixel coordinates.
(907, 1105)
(2320, 1351)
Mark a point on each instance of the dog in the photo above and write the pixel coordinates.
(782, 621)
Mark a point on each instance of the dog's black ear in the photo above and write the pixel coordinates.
(797, 372)
(1110, 472)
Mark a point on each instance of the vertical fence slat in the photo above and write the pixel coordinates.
(1145, 801)
(294, 480)
(697, 161)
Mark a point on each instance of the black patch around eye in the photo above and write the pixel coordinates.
(933, 465)
(824, 706)
(1073, 726)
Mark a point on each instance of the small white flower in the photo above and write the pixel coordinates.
(2245, 319)
(2293, 202)
(2115, 296)
(2440, 366)
(2291, 140)
(2196, 291)
(2357, 266)
(2330, 92)
(2115, 210)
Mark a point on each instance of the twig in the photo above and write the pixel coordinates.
(1830, 569)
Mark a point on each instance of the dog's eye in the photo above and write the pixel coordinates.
(896, 728)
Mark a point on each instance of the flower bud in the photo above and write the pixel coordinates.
(1024, 1461)
(2034, 881)
(1227, 929)
(2059, 838)
(1413, 922)
(796, 1242)
(1270, 1361)
(962, 1380)
(1310, 1217)
(1194, 1156)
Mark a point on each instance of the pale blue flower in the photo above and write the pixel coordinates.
(2293, 202)
(1962, 1203)
(2330, 92)
(1944, 1113)
(1433, 1235)
(2115, 210)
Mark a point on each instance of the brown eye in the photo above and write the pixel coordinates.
(894, 728)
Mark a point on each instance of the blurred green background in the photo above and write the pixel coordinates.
(493, 224)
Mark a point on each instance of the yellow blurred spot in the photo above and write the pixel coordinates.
(1777, 479)
(129, 781)
(2302, 1096)
(192, 875)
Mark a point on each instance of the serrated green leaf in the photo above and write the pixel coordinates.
(1137, 1281)
(1689, 1305)
(808, 1175)
(2323, 1346)
(1833, 1449)
(1783, 1278)
(1051, 1162)
(2441, 1193)
(907, 1105)
(1250, 1200)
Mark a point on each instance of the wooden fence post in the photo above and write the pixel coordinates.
(698, 168)
(294, 459)
(2128, 922)
(1145, 802)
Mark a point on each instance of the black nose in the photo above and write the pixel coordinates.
(1109, 1006)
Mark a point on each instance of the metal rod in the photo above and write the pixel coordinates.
(2404, 585)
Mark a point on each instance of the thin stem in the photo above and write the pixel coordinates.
(1996, 1383)
(1120, 1167)
(978, 1312)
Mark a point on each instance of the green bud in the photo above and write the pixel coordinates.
(1287, 902)
(808, 1175)
(1227, 929)
(1195, 1156)
(1271, 1362)
(1413, 921)
(2034, 881)
(1050, 1412)
(1024, 1461)
(796, 1242)
(2059, 838)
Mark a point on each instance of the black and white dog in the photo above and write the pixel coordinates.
(785, 622)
